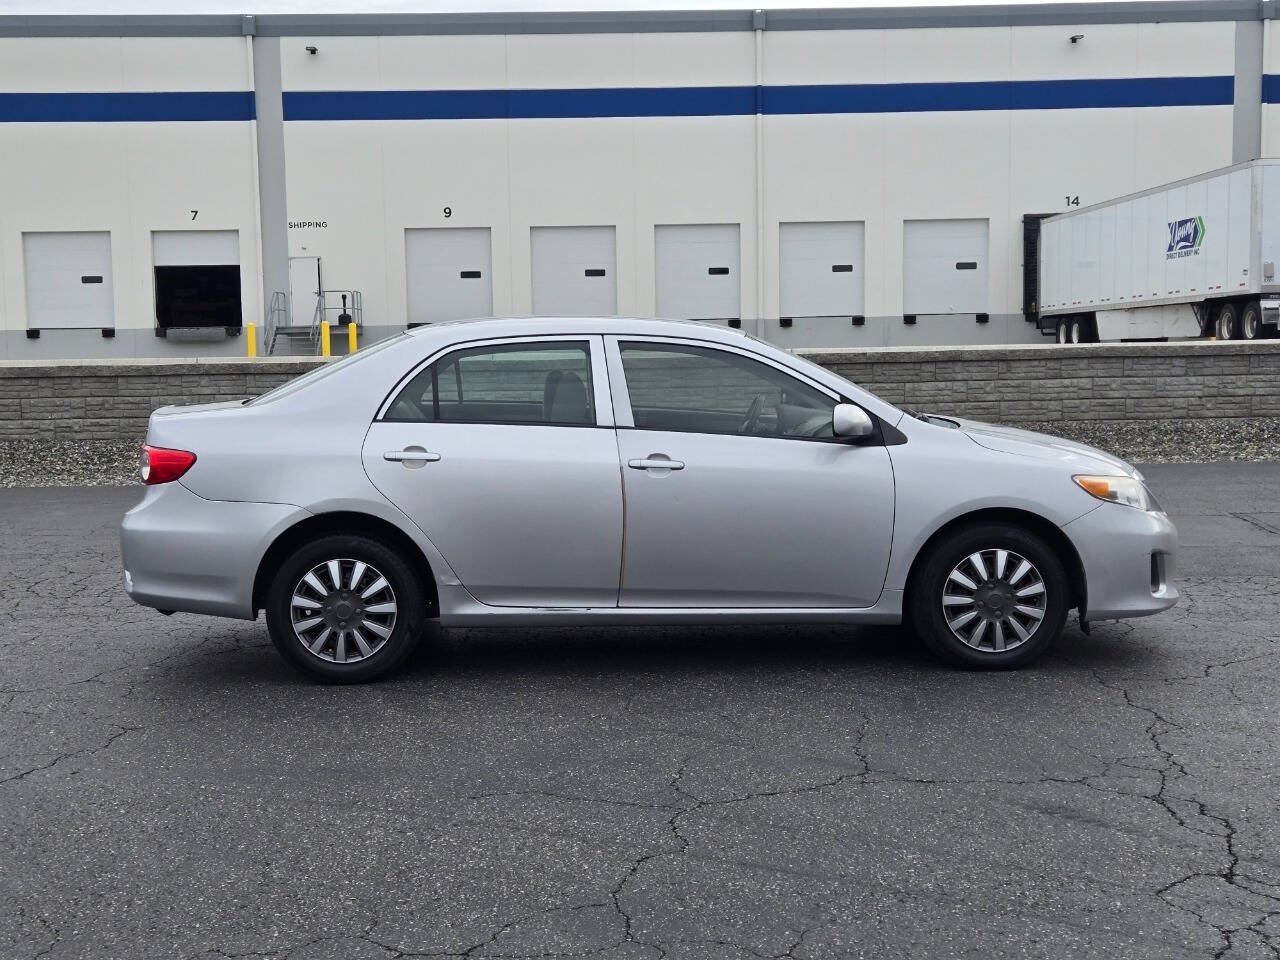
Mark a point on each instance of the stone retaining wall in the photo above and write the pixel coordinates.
(1041, 382)
(1047, 382)
(112, 399)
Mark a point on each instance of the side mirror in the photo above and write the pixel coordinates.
(851, 422)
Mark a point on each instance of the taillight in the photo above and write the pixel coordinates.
(164, 466)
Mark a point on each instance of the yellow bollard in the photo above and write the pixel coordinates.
(251, 339)
(351, 337)
(324, 339)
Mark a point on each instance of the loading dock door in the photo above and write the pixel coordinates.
(197, 278)
(697, 272)
(574, 271)
(448, 271)
(820, 270)
(944, 266)
(68, 281)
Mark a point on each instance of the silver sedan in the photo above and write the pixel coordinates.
(542, 471)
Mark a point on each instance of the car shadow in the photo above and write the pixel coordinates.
(547, 653)
(681, 649)
(728, 649)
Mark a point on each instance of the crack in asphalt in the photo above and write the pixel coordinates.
(61, 757)
(698, 804)
(1171, 771)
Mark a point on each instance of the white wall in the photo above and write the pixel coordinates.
(880, 169)
(129, 178)
(1270, 66)
(369, 181)
(511, 176)
(995, 165)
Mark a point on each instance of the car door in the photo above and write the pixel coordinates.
(503, 452)
(737, 494)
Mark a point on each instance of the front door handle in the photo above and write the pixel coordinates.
(656, 462)
(411, 455)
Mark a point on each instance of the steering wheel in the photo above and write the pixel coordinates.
(752, 419)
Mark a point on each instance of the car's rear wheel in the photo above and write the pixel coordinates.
(345, 609)
(991, 596)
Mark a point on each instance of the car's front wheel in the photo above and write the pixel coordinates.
(345, 609)
(991, 595)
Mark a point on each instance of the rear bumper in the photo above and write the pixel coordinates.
(182, 552)
(1128, 558)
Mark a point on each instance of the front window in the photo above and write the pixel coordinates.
(690, 389)
(548, 383)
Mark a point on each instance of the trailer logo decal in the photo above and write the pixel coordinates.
(1185, 237)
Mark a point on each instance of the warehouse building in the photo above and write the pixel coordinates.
(854, 177)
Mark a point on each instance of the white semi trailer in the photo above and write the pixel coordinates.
(1192, 258)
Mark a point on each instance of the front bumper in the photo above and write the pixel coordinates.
(1128, 558)
(182, 552)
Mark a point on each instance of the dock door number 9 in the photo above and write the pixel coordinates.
(448, 212)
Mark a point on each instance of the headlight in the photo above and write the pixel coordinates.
(1126, 490)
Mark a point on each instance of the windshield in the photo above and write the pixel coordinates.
(319, 373)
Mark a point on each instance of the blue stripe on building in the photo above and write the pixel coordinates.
(1271, 88)
(125, 107)
(519, 104)
(1000, 95)
(742, 101)
(856, 98)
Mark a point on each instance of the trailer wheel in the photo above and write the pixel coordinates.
(1251, 321)
(1062, 331)
(1228, 326)
(1076, 333)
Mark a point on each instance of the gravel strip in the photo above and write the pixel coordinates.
(78, 463)
(68, 463)
(1174, 441)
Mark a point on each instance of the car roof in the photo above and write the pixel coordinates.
(534, 326)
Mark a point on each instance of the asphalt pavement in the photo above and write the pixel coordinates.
(170, 789)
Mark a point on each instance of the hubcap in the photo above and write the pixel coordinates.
(994, 600)
(343, 611)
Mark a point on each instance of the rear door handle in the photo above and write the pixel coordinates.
(411, 455)
(656, 463)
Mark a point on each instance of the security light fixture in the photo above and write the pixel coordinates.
(314, 50)
(1075, 38)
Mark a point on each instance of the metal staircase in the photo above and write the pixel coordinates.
(285, 338)
(282, 337)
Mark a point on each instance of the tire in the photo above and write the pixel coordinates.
(397, 610)
(929, 613)
(1227, 326)
(1060, 332)
(1076, 332)
(1251, 322)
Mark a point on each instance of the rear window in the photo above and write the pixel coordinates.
(547, 383)
(319, 373)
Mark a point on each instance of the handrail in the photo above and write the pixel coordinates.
(350, 303)
(279, 315)
(277, 308)
(316, 317)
